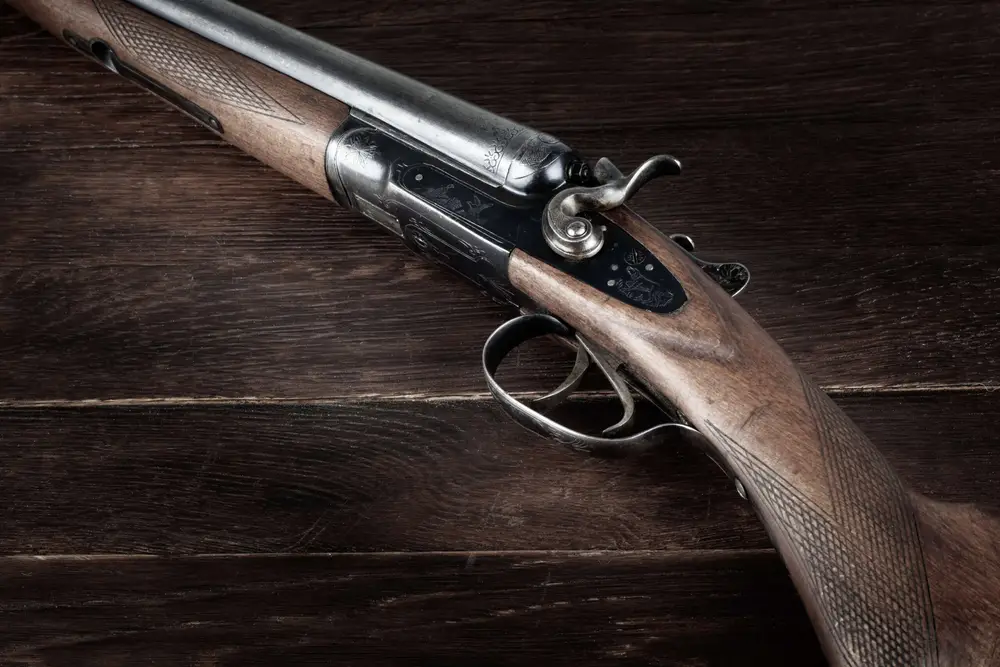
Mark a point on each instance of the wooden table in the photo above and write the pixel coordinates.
(238, 426)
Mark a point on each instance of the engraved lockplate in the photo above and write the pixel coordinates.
(624, 269)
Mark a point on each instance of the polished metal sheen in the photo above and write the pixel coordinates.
(465, 188)
(499, 151)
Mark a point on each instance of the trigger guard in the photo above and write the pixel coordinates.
(526, 327)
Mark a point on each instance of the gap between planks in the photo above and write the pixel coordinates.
(666, 554)
(134, 143)
(835, 391)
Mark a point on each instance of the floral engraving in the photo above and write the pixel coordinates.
(634, 257)
(501, 139)
(537, 151)
(360, 148)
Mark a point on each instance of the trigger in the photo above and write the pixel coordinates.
(617, 382)
(520, 329)
(569, 385)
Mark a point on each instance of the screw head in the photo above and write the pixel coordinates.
(576, 229)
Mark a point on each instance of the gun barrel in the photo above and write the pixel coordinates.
(490, 147)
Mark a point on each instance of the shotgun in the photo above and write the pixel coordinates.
(889, 577)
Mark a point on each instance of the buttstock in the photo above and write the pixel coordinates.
(278, 120)
(888, 577)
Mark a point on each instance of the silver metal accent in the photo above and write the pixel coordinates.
(497, 150)
(609, 368)
(378, 214)
(558, 395)
(520, 329)
(731, 276)
(354, 165)
(605, 171)
(684, 241)
(575, 237)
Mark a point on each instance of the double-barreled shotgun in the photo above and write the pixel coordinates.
(889, 578)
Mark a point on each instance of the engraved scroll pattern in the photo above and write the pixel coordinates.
(501, 139)
(865, 562)
(184, 60)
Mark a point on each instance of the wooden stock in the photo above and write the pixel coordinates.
(889, 578)
(278, 120)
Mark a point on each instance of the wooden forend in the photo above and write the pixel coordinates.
(278, 120)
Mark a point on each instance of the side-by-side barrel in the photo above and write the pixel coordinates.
(500, 152)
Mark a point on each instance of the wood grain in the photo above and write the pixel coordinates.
(873, 63)
(300, 322)
(880, 590)
(443, 609)
(278, 120)
(843, 225)
(411, 476)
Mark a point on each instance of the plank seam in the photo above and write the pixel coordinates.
(884, 391)
(519, 553)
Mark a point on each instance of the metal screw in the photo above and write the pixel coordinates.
(576, 229)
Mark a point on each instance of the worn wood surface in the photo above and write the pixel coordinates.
(409, 476)
(640, 608)
(199, 356)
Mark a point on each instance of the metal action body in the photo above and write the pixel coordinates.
(464, 187)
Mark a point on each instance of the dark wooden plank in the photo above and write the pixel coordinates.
(594, 609)
(383, 323)
(744, 190)
(290, 298)
(180, 263)
(879, 63)
(309, 14)
(411, 475)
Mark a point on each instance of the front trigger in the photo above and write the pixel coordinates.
(587, 354)
(528, 414)
(609, 369)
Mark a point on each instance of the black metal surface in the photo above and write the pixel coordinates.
(480, 220)
(453, 218)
